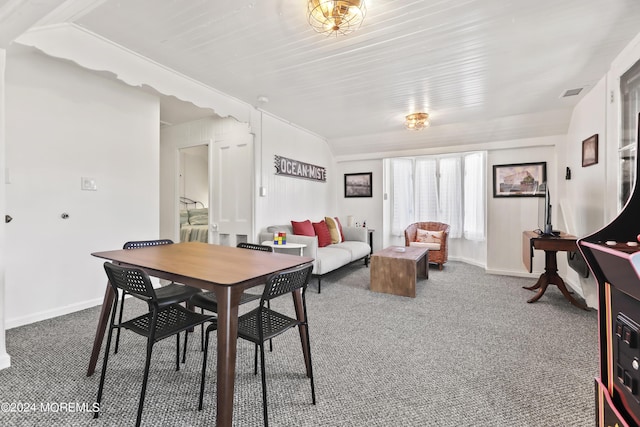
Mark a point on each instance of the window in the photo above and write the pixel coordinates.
(449, 189)
(427, 187)
(401, 195)
(474, 195)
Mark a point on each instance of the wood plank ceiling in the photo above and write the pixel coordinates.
(485, 70)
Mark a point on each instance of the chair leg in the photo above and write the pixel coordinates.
(178, 349)
(201, 332)
(184, 350)
(255, 360)
(270, 341)
(319, 285)
(204, 370)
(313, 389)
(264, 387)
(145, 378)
(115, 350)
(106, 358)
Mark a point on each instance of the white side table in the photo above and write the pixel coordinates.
(300, 246)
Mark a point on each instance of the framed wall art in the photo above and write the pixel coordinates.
(590, 151)
(358, 184)
(519, 180)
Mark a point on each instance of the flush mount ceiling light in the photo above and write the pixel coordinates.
(336, 17)
(416, 121)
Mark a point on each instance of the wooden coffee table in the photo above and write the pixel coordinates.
(394, 270)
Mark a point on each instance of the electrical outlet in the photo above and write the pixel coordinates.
(88, 184)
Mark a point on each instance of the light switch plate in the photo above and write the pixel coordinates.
(89, 184)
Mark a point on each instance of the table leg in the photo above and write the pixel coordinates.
(297, 302)
(228, 300)
(103, 320)
(551, 277)
(423, 266)
(537, 285)
(541, 285)
(557, 280)
(426, 265)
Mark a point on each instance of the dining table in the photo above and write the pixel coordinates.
(226, 271)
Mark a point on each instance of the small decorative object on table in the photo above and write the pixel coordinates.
(280, 238)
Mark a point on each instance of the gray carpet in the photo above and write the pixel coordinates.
(467, 351)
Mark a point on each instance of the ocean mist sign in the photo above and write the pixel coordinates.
(289, 167)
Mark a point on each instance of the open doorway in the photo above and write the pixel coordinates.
(206, 168)
(193, 190)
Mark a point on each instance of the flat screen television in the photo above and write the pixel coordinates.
(544, 211)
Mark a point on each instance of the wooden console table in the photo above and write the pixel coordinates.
(550, 245)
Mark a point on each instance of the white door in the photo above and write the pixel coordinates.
(232, 191)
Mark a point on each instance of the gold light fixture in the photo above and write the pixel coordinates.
(416, 121)
(336, 17)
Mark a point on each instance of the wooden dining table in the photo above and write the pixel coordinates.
(226, 271)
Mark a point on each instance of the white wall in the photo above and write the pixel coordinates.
(64, 123)
(5, 360)
(291, 198)
(508, 217)
(363, 208)
(589, 199)
(582, 198)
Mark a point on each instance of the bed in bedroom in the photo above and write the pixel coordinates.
(194, 221)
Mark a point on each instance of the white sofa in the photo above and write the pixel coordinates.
(328, 258)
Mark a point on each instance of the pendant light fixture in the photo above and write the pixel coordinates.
(337, 17)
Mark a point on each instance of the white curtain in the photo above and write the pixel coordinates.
(451, 195)
(474, 196)
(402, 195)
(426, 189)
(449, 189)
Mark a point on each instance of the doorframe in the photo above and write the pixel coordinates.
(176, 185)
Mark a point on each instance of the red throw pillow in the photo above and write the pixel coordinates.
(323, 233)
(303, 228)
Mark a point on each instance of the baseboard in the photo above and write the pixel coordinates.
(512, 273)
(534, 276)
(5, 361)
(468, 261)
(55, 312)
(48, 314)
(573, 287)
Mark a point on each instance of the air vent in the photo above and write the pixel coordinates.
(572, 92)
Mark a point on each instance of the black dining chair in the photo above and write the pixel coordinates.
(208, 300)
(158, 323)
(169, 294)
(262, 324)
